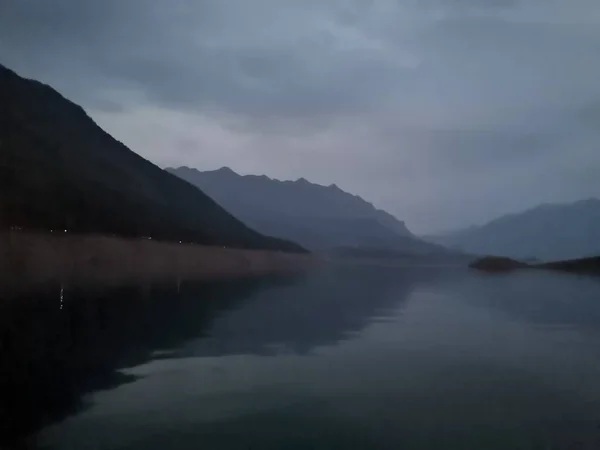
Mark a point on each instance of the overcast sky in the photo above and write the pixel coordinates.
(443, 112)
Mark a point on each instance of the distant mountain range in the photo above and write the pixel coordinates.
(317, 217)
(59, 170)
(547, 232)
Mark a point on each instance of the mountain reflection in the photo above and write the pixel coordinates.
(324, 309)
(59, 346)
(66, 343)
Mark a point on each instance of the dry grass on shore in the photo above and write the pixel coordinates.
(32, 258)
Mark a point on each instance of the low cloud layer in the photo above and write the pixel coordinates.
(444, 112)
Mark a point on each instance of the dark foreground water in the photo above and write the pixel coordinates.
(339, 359)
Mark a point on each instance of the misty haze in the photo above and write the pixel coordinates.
(286, 224)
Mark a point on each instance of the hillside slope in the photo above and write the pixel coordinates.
(547, 232)
(318, 217)
(59, 170)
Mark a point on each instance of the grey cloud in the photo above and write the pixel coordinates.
(216, 67)
(427, 107)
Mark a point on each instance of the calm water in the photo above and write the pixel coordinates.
(346, 358)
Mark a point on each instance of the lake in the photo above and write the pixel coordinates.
(349, 357)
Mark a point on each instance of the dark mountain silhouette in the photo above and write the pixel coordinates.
(59, 170)
(53, 356)
(590, 266)
(547, 232)
(318, 217)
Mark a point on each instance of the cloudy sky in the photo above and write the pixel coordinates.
(444, 112)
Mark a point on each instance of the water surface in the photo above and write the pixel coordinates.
(341, 358)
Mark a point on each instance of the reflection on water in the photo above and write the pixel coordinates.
(58, 346)
(341, 358)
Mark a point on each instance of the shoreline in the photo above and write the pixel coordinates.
(29, 258)
(495, 264)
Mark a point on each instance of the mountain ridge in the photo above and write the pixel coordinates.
(60, 170)
(192, 175)
(300, 181)
(318, 217)
(549, 231)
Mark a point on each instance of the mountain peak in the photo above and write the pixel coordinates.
(550, 231)
(41, 128)
(6, 70)
(316, 215)
(226, 170)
